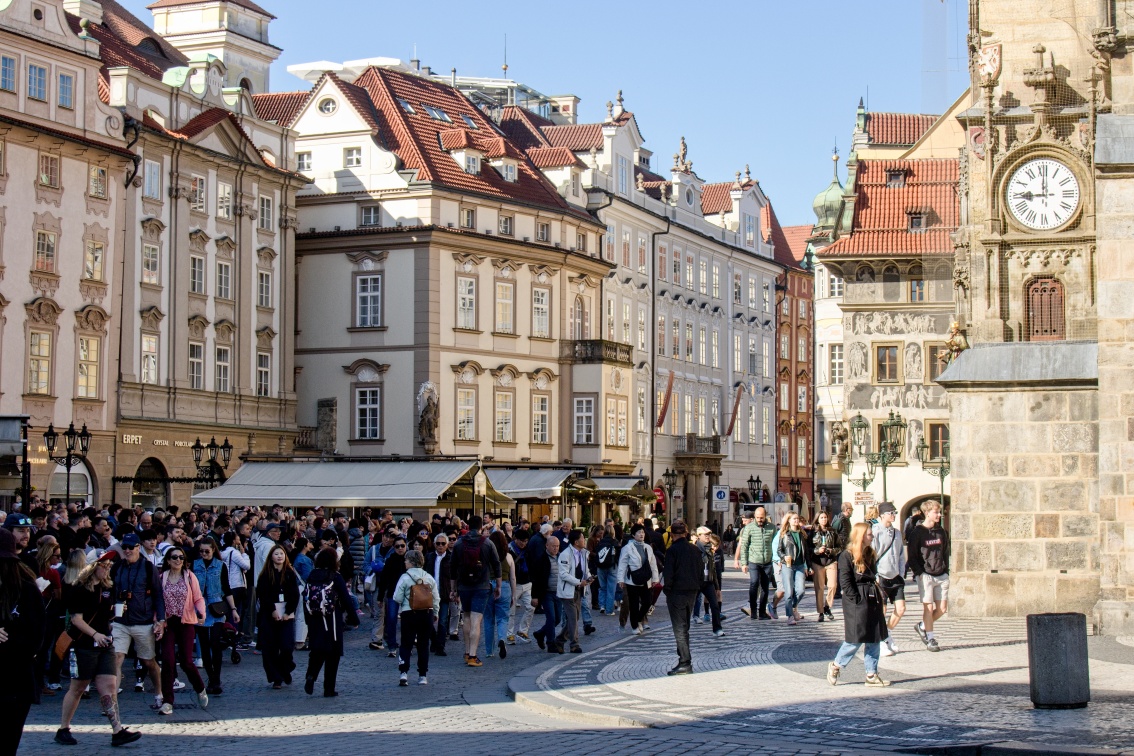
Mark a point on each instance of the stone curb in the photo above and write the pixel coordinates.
(1014, 748)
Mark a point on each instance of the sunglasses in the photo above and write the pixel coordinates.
(128, 547)
(175, 557)
(400, 546)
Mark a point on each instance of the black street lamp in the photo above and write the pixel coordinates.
(937, 466)
(754, 488)
(794, 485)
(207, 471)
(891, 443)
(669, 480)
(71, 438)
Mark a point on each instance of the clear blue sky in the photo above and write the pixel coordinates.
(770, 83)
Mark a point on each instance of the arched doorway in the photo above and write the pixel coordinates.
(909, 505)
(81, 487)
(151, 485)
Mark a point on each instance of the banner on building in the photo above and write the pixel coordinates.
(740, 388)
(665, 402)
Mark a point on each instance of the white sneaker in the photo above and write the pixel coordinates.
(719, 633)
(138, 687)
(641, 630)
(203, 699)
(885, 649)
(165, 709)
(198, 663)
(403, 679)
(159, 702)
(178, 685)
(422, 681)
(698, 620)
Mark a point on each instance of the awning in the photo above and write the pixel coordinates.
(620, 484)
(529, 483)
(346, 484)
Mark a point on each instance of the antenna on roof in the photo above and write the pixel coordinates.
(505, 66)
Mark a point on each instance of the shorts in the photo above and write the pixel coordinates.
(96, 662)
(933, 589)
(142, 637)
(473, 600)
(894, 588)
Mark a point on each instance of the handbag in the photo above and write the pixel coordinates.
(642, 574)
(421, 596)
(371, 582)
(63, 644)
(218, 609)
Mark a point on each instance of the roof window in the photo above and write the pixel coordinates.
(469, 122)
(406, 106)
(919, 223)
(437, 114)
(895, 179)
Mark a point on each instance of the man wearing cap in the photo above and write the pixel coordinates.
(263, 547)
(21, 527)
(891, 563)
(139, 610)
(754, 557)
(681, 578)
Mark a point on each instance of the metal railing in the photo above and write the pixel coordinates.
(693, 444)
(598, 350)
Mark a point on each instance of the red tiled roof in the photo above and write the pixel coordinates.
(578, 137)
(523, 127)
(716, 198)
(119, 36)
(280, 107)
(881, 214)
(242, 3)
(897, 128)
(554, 157)
(417, 138)
(787, 248)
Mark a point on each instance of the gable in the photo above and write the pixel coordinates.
(346, 117)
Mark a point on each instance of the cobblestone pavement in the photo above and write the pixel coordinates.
(759, 690)
(766, 680)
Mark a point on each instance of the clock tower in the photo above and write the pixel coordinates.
(1044, 291)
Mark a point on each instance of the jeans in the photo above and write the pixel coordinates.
(587, 622)
(523, 601)
(792, 583)
(416, 628)
(391, 624)
(442, 632)
(680, 605)
(709, 591)
(607, 584)
(570, 631)
(759, 582)
(496, 616)
(177, 647)
(552, 612)
(869, 656)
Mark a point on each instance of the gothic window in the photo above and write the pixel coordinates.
(1045, 310)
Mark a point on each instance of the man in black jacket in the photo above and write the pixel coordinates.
(684, 568)
(437, 565)
(544, 571)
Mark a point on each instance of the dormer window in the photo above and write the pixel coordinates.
(508, 171)
(689, 197)
(406, 106)
(437, 114)
(470, 122)
(895, 179)
(919, 223)
(472, 164)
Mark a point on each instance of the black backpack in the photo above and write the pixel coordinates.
(607, 553)
(470, 567)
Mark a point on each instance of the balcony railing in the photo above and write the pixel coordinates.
(691, 443)
(598, 350)
(306, 438)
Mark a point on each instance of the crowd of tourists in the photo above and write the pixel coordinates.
(120, 597)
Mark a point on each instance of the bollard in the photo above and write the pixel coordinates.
(1057, 661)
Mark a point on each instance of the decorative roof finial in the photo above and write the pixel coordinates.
(609, 111)
(738, 178)
(835, 160)
(747, 173)
(641, 183)
(676, 162)
(619, 98)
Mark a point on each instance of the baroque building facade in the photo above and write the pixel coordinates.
(1040, 404)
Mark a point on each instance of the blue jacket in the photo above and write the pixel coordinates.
(213, 578)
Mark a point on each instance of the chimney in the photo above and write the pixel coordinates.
(426, 71)
(416, 64)
(88, 9)
(454, 78)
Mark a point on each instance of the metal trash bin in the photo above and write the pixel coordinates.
(1058, 669)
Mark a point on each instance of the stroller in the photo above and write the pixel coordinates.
(228, 637)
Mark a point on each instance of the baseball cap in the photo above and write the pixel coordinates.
(131, 539)
(885, 507)
(273, 526)
(17, 520)
(108, 556)
(703, 531)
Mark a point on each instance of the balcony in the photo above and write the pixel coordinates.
(305, 440)
(692, 444)
(597, 350)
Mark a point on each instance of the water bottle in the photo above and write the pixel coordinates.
(74, 665)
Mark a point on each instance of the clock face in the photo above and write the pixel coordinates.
(1042, 194)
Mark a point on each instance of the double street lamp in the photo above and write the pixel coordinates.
(669, 480)
(71, 439)
(754, 485)
(891, 443)
(794, 486)
(207, 471)
(936, 466)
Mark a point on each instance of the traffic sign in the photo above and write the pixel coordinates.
(720, 498)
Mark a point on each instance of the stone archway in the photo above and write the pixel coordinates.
(909, 505)
(150, 487)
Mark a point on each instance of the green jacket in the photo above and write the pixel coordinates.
(756, 543)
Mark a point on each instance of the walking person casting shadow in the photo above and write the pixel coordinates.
(863, 611)
(328, 609)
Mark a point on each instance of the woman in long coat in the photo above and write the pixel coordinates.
(325, 631)
(863, 610)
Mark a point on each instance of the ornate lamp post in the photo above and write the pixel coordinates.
(71, 438)
(892, 442)
(669, 480)
(794, 485)
(937, 466)
(754, 488)
(207, 471)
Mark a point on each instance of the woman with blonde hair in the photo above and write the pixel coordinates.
(794, 552)
(824, 564)
(863, 608)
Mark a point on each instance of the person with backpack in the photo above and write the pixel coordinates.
(327, 609)
(476, 570)
(520, 627)
(392, 571)
(637, 571)
(140, 612)
(842, 524)
(607, 553)
(419, 602)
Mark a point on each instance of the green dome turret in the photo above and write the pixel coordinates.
(829, 202)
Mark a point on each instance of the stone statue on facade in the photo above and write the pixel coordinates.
(955, 344)
(841, 439)
(427, 425)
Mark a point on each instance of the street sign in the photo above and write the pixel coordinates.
(863, 499)
(720, 498)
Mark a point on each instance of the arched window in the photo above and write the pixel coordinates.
(151, 485)
(246, 85)
(580, 319)
(891, 284)
(1045, 310)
